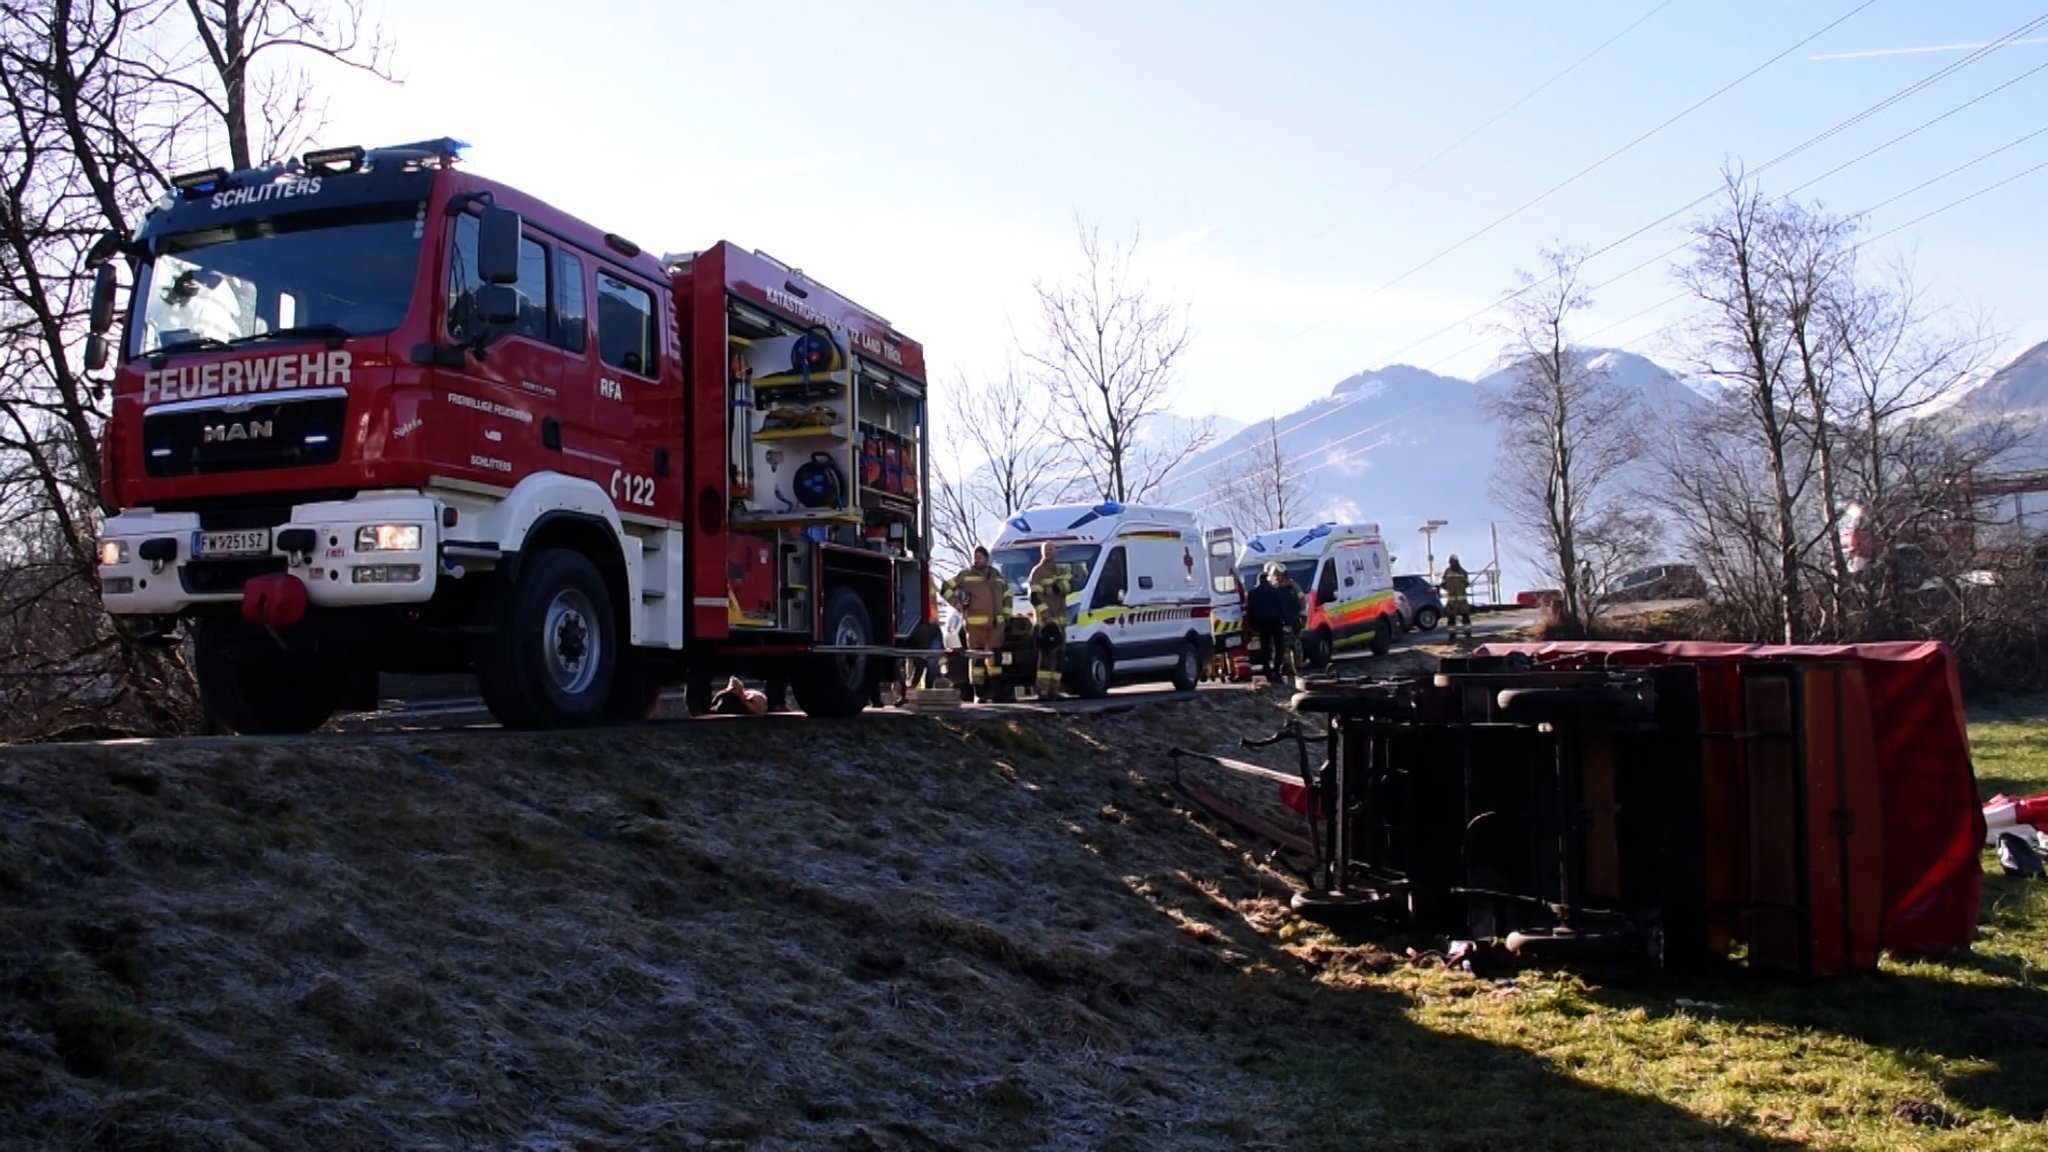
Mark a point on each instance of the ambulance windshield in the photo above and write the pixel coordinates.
(1303, 572)
(341, 273)
(1016, 564)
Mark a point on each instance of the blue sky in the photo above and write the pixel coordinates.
(929, 159)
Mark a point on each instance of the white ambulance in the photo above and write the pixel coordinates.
(1345, 577)
(1141, 602)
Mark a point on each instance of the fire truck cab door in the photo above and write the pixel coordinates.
(634, 390)
(507, 412)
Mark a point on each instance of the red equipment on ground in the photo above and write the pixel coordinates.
(1932, 824)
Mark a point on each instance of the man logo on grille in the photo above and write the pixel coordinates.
(246, 430)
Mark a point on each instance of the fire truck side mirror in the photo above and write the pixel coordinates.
(498, 304)
(102, 311)
(101, 318)
(497, 246)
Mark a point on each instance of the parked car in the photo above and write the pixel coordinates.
(1660, 582)
(1423, 607)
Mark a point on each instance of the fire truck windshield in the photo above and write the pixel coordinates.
(349, 272)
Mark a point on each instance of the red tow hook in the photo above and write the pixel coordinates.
(274, 600)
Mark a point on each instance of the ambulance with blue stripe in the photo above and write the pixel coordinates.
(1140, 607)
(1345, 577)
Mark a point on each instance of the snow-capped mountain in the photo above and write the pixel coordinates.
(1401, 446)
(2020, 385)
(2017, 393)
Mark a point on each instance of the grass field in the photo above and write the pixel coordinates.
(1920, 1055)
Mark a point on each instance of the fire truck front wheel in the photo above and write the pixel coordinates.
(551, 654)
(261, 697)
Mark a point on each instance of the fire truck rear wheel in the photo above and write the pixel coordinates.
(838, 685)
(261, 697)
(551, 655)
(636, 691)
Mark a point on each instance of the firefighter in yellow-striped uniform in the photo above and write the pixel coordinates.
(1051, 584)
(983, 597)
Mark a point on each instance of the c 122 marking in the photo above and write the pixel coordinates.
(631, 489)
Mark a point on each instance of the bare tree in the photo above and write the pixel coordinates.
(1107, 358)
(102, 98)
(1566, 430)
(956, 518)
(1824, 454)
(1743, 344)
(1268, 492)
(1900, 360)
(1005, 456)
(223, 75)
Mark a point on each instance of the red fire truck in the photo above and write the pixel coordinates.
(375, 413)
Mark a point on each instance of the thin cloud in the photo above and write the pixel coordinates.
(1867, 53)
(1186, 240)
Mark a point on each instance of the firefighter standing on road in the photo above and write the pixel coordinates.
(984, 599)
(1455, 583)
(1050, 587)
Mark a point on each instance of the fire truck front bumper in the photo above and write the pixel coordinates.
(368, 551)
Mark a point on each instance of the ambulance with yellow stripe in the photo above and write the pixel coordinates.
(1345, 577)
(1140, 607)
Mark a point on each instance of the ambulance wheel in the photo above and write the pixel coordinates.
(1383, 636)
(1187, 673)
(550, 659)
(837, 685)
(1315, 649)
(260, 697)
(1091, 673)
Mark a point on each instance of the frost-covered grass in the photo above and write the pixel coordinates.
(972, 931)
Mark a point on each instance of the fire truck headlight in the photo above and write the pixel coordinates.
(388, 538)
(112, 552)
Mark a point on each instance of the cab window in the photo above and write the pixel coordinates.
(625, 325)
(533, 289)
(1326, 585)
(537, 307)
(572, 319)
(1109, 588)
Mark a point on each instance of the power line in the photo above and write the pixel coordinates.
(1917, 86)
(1590, 168)
(1888, 101)
(1490, 122)
(1956, 202)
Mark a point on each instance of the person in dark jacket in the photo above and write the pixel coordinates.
(1270, 613)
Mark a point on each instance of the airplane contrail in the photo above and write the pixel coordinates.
(1924, 48)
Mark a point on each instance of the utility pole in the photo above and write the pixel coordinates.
(1428, 531)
